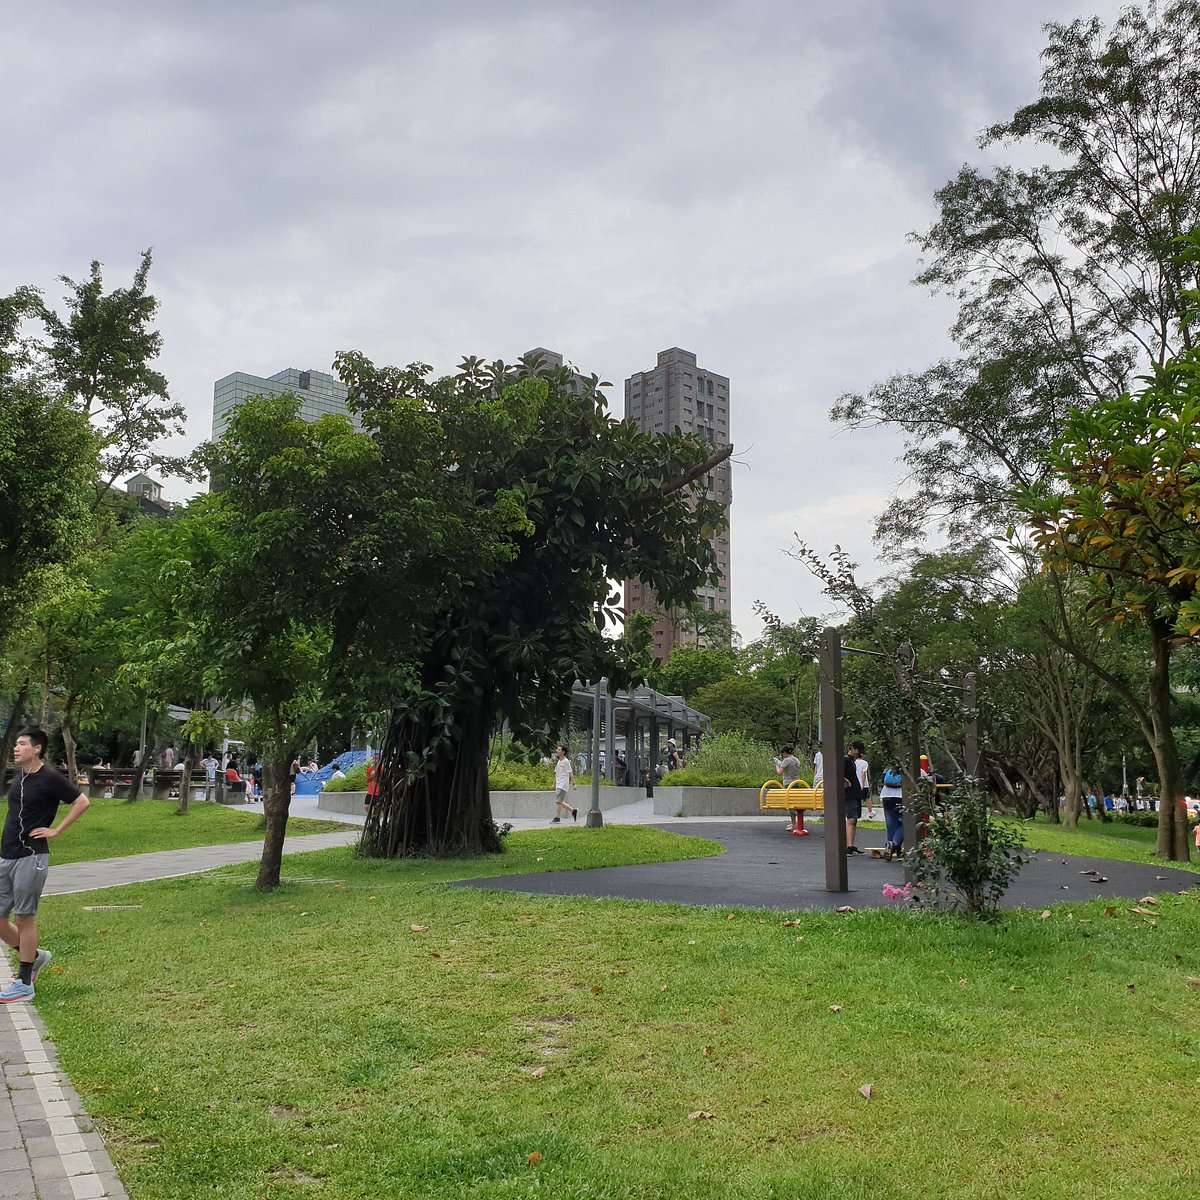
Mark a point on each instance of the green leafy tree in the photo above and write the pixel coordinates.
(745, 705)
(1122, 512)
(1066, 275)
(101, 356)
(47, 469)
(692, 667)
(574, 494)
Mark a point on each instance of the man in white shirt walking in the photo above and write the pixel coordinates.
(564, 782)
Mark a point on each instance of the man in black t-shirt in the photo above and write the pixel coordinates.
(37, 791)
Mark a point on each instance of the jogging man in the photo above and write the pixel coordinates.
(37, 791)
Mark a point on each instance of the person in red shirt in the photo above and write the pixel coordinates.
(372, 783)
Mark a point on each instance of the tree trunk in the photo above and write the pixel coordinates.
(139, 773)
(68, 737)
(185, 782)
(15, 717)
(1172, 817)
(442, 809)
(277, 801)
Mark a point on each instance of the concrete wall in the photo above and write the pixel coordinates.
(342, 802)
(705, 802)
(530, 806)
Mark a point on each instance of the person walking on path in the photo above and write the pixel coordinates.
(854, 796)
(564, 782)
(37, 791)
(892, 795)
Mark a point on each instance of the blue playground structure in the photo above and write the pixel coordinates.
(311, 785)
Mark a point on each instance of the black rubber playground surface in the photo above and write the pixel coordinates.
(764, 867)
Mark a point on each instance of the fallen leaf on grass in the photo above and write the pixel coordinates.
(1191, 981)
(865, 1091)
(701, 1115)
(846, 908)
(1045, 914)
(597, 989)
(1142, 912)
(434, 954)
(1016, 988)
(1110, 910)
(418, 929)
(535, 1157)
(789, 924)
(538, 1072)
(731, 917)
(708, 1050)
(1131, 987)
(1148, 900)
(835, 1008)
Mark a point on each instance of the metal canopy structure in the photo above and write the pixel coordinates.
(644, 713)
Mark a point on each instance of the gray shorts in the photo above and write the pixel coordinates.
(560, 797)
(21, 883)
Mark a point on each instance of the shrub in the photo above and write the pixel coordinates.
(967, 858)
(1147, 820)
(731, 754)
(695, 777)
(355, 780)
(520, 777)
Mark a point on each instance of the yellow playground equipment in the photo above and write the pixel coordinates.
(799, 797)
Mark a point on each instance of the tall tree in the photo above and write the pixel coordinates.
(102, 356)
(1066, 275)
(1123, 511)
(585, 494)
(48, 458)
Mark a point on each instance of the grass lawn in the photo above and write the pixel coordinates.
(1097, 839)
(113, 828)
(313, 1043)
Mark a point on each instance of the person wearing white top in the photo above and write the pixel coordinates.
(564, 782)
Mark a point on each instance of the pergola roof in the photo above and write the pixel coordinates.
(644, 701)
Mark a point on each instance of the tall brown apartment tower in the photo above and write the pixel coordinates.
(679, 394)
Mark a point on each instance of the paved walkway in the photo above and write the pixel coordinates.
(763, 867)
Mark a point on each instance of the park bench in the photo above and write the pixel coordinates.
(799, 797)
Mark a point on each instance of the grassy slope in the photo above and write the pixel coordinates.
(1096, 839)
(111, 828)
(308, 1043)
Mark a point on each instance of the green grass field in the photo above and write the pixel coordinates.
(371, 1032)
(114, 828)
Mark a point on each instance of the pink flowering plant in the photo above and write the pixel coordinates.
(967, 859)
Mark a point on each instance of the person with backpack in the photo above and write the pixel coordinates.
(892, 794)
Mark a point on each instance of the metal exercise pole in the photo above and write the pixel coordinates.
(595, 819)
(833, 755)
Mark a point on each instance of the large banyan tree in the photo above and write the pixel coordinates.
(569, 499)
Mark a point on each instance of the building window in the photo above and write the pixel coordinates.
(710, 387)
(305, 380)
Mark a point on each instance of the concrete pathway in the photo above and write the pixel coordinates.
(167, 864)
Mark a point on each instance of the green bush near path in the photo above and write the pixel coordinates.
(115, 828)
(372, 1032)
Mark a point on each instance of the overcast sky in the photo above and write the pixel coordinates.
(422, 181)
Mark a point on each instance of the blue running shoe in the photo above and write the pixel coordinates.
(16, 991)
(40, 960)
